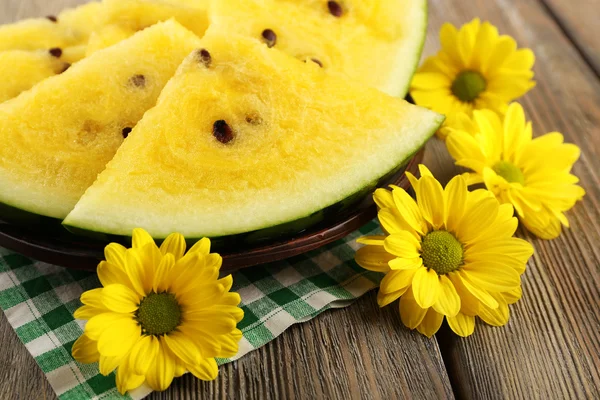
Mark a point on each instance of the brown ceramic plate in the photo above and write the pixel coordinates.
(71, 251)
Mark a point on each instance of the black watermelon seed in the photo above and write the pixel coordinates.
(335, 9)
(138, 80)
(319, 63)
(55, 52)
(222, 132)
(126, 132)
(65, 67)
(270, 37)
(52, 18)
(253, 119)
(204, 57)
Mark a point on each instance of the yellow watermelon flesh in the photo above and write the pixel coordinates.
(81, 31)
(22, 69)
(375, 43)
(28, 46)
(244, 138)
(72, 27)
(125, 17)
(59, 135)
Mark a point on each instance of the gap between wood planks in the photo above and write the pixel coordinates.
(570, 36)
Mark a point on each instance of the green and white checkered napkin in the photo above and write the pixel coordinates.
(39, 300)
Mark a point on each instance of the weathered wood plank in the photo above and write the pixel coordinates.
(20, 376)
(579, 20)
(550, 348)
(358, 352)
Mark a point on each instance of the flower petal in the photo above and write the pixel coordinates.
(448, 302)
(481, 294)
(373, 240)
(134, 267)
(392, 221)
(410, 312)
(140, 238)
(492, 276)
(405, 263)
(114, 254)
(431, 323)
(229, 345)
(161, 277)
(426, 287)
(143, 353)
(119, 298)
(85, 350)
(477, 219)
(409, 210)
(88, 312)
(373, 258)
(162, 371)
(109, 274)
(513, 296)
(402, 245)
(455, 197)
(126, 378)
(469, 304)
(206, 369)
(384, 198)
(394, 281)
(93, 298)
(108, 364)
(174, 244)
(431, 201)
(463, 325)
(496, 317)
(385, 298)
(202, 246)
(213, 322)
(96, 325)
(118, 338)
(181, 346)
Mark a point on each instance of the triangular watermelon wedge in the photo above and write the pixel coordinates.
(245, 137)
(376, 43)
(59, 135)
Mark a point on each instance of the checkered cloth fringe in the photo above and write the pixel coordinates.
(39, 300)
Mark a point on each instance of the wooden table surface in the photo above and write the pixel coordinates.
(551, 347)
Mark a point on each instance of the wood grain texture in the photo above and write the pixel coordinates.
(579, 21)
(551, 346)
(20, 376)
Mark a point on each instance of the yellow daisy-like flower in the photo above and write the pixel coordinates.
(450, 254)
(160, 313)
(534, 175)
(475, 69)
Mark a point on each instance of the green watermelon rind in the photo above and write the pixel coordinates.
(56, 227)
(284, 229)
(419, 53)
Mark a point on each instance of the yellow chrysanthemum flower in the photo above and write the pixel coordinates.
(160, 313)
(450, 254)
(475, 69)
(532, 175)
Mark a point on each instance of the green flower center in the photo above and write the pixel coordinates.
(442, 252)
(509, 171)
(159, 313)
(468, 85)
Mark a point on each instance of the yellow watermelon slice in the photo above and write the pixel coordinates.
(376, 43)
(244, 138)
(59, 135)
(72, 27)
(125, 17)
(22, 69)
